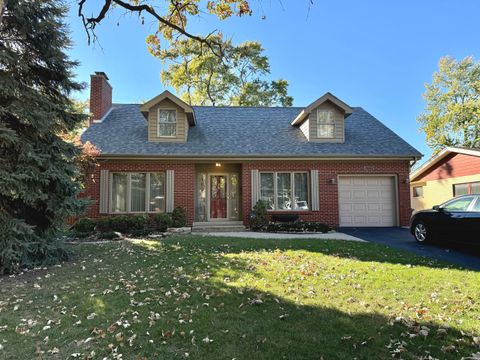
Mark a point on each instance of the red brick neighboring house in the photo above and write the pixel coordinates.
(452, 172)
(326, 162)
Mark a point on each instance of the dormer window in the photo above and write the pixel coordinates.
(167, 123)
(325, 124)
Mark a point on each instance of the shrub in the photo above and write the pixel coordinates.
(316, 227)
(298, 226)
(259, 216)
(84, 225)
(179, 217)
(160, 222)
(109, 235)
(125, 224)
(103, 225)
(81, 235)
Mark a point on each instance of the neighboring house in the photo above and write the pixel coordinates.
(326, 162)
(452, 172)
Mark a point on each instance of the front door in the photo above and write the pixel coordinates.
(218, 197)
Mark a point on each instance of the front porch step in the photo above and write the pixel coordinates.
(218, 226)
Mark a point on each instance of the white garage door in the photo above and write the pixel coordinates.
(367, 201)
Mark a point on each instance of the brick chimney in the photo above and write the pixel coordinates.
(100, 95)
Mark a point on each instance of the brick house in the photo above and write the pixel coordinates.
(326, 162)
(452, 172)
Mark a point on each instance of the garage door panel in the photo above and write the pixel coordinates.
(366, 201)
(357, 207)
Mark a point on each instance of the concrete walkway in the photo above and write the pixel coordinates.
(263, 235)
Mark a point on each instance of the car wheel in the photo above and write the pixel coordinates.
(421, 232)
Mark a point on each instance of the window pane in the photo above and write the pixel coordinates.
(284, 191)
(418, 191)
(460, 189)
(325, 124)
(119, 192)
(458, 204)
(476, 207)
(137, 188)
(235, 202)
(267, 190)
(167, 116)
(157, 192)
(301, 191)
(167, 129)
(475, 188)
(325, 131)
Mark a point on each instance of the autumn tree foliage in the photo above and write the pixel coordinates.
(39, 179)
(172, 17)
(239, 79)
(452, 113)
(203, 69)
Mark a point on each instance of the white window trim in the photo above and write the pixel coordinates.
(292, 182)
(129, 195)
(158, 122)
(334, 124)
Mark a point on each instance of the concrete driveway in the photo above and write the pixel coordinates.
(401, 238)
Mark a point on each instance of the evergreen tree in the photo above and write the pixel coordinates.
(38, 178)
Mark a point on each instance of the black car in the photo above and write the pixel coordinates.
(457, 220)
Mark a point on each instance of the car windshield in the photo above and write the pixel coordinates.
(460, 204)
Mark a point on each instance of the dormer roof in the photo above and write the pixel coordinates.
(144, 108)
(326, 97)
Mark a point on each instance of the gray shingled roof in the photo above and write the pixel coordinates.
(244, 131)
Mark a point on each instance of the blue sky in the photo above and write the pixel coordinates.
(372, 53)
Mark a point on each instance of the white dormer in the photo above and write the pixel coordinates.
(324, 119)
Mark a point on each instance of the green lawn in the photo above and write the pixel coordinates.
(217, 298)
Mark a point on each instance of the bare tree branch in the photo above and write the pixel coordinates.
(90, 23)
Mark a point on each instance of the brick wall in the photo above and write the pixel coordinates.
(100, 95)
(328, 213)
(184, 182)
(328, 193)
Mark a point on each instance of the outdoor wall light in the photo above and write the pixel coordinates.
(332, 181)
(218, 164)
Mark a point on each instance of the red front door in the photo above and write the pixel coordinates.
(218, 197)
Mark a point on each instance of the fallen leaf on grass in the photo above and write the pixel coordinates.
(207, 340)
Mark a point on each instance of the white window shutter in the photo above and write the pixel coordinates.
(170, 186)
(104, 192)
(255, 189)
(315, 206)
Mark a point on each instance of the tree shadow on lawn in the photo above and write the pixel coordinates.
(204, 310)
(245, 322)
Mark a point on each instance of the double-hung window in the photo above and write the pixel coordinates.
(325, 124)
(137, 192)
(284, 190)
(167, 123)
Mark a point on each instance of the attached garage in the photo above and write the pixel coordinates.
(367, 201)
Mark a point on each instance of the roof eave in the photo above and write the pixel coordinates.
(442, 154)
(269, 156)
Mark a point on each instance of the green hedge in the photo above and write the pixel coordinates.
(135, 225)
(298, 226)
